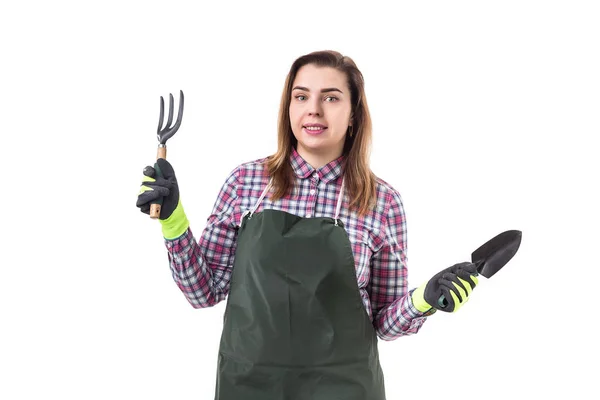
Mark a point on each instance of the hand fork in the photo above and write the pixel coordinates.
(164, 134)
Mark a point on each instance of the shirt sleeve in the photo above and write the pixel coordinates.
(394, 314)
(202, 270)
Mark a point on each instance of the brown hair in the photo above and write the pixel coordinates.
(360, 182)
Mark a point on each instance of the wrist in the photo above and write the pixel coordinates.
(176, 224)
(418, 299)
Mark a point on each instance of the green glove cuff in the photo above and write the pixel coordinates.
(418, 299)
(176, 224)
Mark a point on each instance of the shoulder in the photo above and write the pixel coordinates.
(389, 199)
(248, 171)
(243, 185)
(386, 190)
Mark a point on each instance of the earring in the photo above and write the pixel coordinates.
(351, 131)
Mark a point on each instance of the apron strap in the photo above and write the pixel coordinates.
(337, 207)
(261, 197)
(339, 203)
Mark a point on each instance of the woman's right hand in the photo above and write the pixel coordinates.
(160, 182)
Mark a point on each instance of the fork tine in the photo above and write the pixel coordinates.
(170, 119)
(166, 132)
(179, 113)
(162, 113)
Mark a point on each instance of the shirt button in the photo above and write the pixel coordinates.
(316, 176)
(308, 215)
(312, 191)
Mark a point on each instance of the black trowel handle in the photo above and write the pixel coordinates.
(442, 302)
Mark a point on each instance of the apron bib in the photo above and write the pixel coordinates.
(295, 327)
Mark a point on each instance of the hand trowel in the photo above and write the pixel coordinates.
(493, 255)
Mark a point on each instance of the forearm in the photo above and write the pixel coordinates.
(400, 318)
(192, 273)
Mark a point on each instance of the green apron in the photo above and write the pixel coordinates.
(295, 327)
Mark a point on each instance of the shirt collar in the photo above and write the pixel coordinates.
(327, 172)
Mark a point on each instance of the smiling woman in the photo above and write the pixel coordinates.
(325, 89)
(309, 248)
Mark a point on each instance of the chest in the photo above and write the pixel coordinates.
(317, 199)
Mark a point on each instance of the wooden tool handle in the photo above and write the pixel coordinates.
(154, 211)
(155, 207)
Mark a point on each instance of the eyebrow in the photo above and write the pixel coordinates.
(326, 90)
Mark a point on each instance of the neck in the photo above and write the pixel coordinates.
(318, 159)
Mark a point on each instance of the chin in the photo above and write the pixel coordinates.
(315, 143)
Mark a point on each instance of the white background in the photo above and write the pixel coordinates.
(485, 116)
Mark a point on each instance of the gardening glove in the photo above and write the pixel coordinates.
(159, 182)
(455, 284)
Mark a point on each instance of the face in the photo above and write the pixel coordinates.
(320, 110)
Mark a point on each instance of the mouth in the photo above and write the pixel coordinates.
(314, 129)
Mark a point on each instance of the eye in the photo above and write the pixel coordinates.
(331, 99)
(300, 97)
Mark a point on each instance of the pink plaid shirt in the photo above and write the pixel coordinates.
(202, 270)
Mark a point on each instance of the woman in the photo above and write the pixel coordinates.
(309, 247)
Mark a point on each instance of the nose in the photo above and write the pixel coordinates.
(315, 107)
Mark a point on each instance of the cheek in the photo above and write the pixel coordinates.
(342, 118)
(294, 116)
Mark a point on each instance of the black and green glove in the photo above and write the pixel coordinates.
(454, 284)
(159, 183)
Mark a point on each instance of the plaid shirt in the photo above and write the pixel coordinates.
(202, 270)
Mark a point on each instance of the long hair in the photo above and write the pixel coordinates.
(360, 181)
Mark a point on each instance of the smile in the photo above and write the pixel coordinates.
(314, 130)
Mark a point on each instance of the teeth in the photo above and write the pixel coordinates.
(313, 128)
